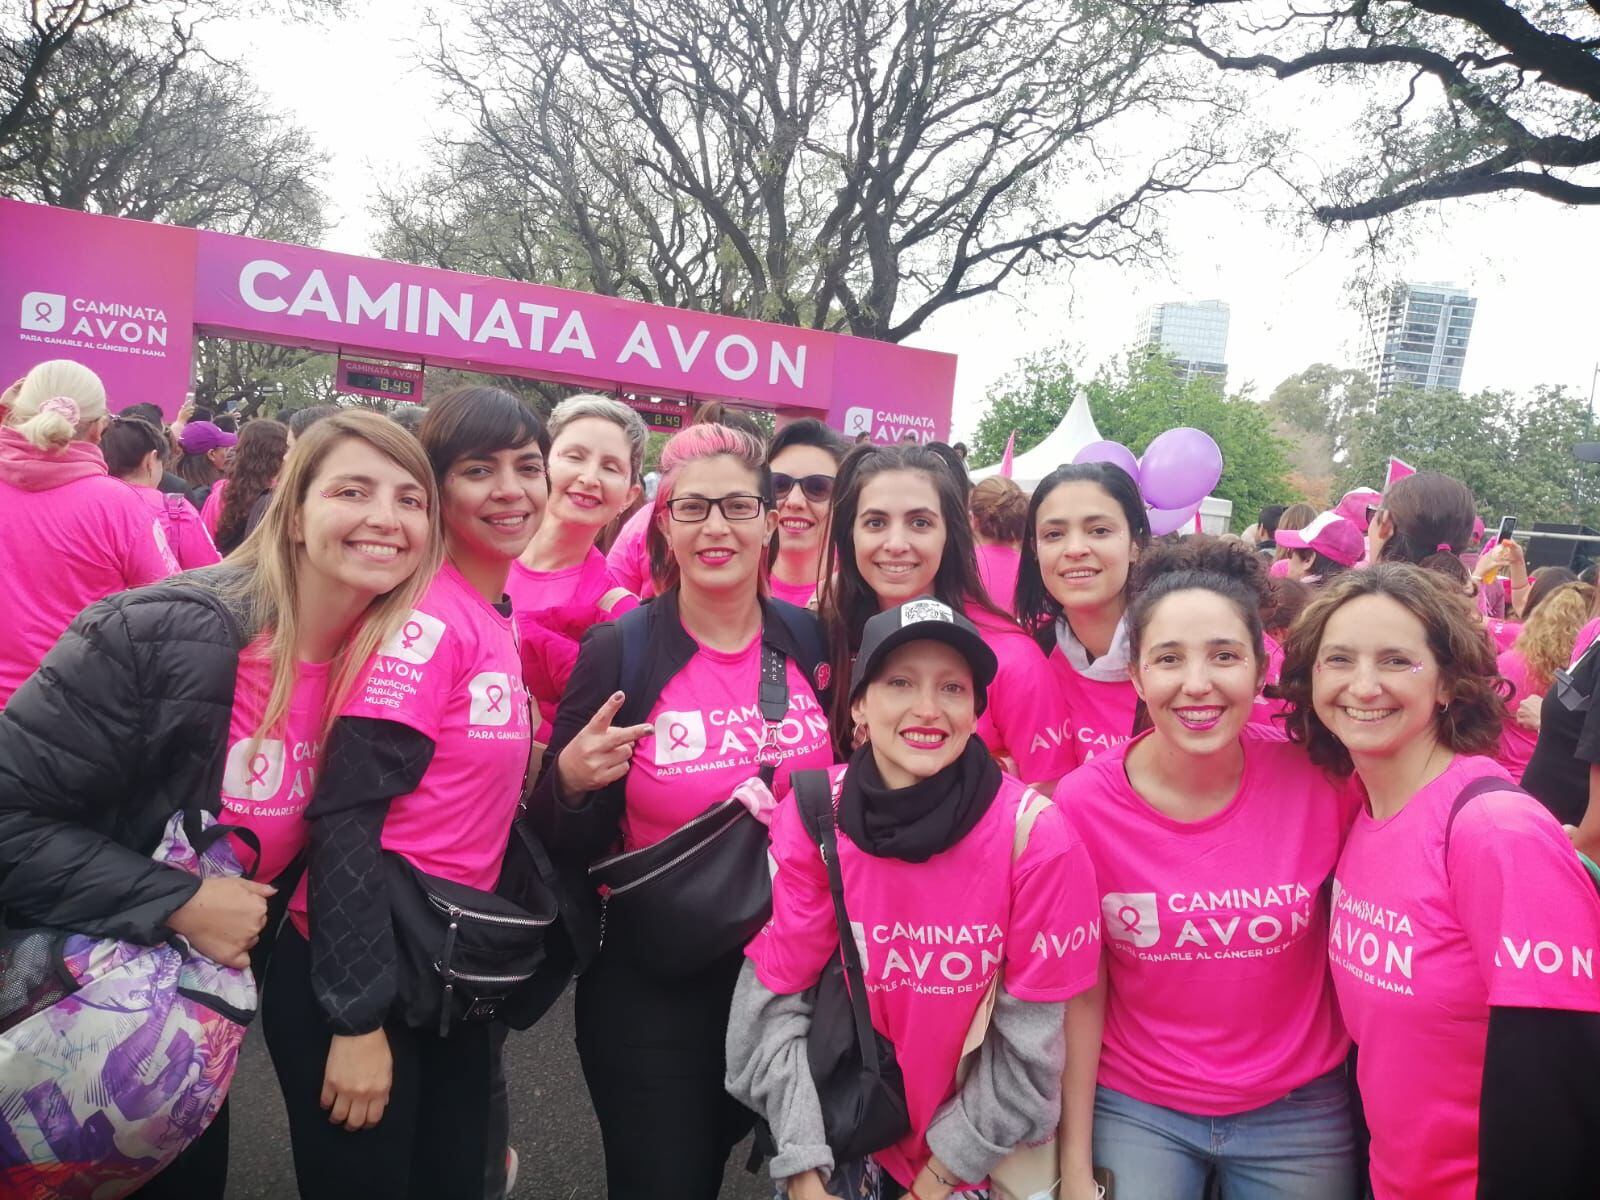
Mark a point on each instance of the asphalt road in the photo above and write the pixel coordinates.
(552, 1125)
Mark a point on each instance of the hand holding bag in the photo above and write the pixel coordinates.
(857, 1076)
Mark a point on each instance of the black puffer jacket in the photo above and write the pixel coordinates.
(123, 724)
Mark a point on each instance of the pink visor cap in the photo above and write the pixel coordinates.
(1353, 505)
(1331, 535)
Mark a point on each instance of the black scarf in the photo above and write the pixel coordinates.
(917, 822)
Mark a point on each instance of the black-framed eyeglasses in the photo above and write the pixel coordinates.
(815, 488)
(739, 506)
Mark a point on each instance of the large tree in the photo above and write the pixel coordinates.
(851, 165)
(1463, 97)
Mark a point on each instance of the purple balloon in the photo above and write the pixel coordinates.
(1114, 453)
(1179, 468)
(1171, 520)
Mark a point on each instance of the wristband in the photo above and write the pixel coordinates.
(940, 1179)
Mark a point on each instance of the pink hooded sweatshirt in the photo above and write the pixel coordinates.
(70, 535)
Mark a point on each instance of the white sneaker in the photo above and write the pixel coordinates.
(511, 1169)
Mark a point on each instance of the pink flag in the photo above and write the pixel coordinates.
(1005, 459)
(1398, 470)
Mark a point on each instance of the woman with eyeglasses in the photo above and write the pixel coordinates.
(623, 772)
(804, 458)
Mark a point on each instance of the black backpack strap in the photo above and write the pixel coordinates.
(814, 794)
(633, 630)
(1478, 787)
(806, 630)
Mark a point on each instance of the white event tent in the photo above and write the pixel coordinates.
(1077, 430)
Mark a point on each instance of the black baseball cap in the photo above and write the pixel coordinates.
(924, 620)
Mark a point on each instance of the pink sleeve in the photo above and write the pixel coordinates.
(628, 561)
(192, 544)
(1526, 903)
(414, 694)
(211, 511)
(1053, 944)
(793, 947)
(1025, 705)
(146, 558)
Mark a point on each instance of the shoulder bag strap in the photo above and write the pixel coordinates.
(814, 793)
(774, 708)
(1477, 787)
(633, 630)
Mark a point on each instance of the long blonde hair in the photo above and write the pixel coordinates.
(58, 403)
(269, 560)
(1545, 642)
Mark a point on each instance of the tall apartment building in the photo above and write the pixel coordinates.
(1420, 340)
(1195, 336)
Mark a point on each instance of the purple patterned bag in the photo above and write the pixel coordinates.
(113, 1056)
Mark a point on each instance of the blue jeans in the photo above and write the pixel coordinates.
(1297, 1148)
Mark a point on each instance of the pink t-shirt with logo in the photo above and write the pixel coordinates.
(1503, 634)
(1516, 743)
(268, 782)
(1099, 713)
(1585, 639)
(585, 584)
(708, 729)
(187, 537)
(452, 673)
(932, 935)
(629, 557)
(63, 548)
(798, 594)
(1420, 954)
(1026, 714)
(997, 568)
(1219, 999)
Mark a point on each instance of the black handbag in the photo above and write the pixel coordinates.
(705, 890)
(857, 1075)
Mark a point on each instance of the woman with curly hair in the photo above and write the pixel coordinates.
(1543, 647)
(1211, 838)
(1464, 929)
(256, 464)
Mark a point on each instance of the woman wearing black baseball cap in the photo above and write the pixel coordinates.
(958, 883)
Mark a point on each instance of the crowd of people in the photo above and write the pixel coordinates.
(956, 841)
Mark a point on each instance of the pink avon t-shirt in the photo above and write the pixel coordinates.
(588, 583)
(1215, 931)
(1516, 743)
(708, 728)
(1099, 713)
(268, 782)
(629, 558)
(451, 672)
(1420, 954)
(997, 568)
(63, 548)
(932, 936)
(1026, 718)
(186, 534)
(1503, 634)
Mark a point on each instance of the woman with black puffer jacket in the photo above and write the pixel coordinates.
(210, 692)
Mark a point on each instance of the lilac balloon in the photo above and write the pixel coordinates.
(1179, 468)
(1171, 520)
(1114, 453)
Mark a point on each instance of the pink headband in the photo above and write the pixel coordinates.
(1442, 548)
(66, 406)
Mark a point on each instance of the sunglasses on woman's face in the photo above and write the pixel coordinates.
(815, 488)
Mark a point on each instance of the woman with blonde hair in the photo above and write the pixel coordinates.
(72, 534)
(1542, 648)
(999, 515)
(211, 692)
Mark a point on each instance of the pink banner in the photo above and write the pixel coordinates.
(117, 296)
(296, 295)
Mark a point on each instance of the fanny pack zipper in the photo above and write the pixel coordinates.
(455, 910)
(721, 810)
(667, 866)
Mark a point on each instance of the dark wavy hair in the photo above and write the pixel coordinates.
(256, 464)
(1036, 608)
(846, 601)
(1201, 563)
(1469, 724)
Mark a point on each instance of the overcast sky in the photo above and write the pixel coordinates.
(1531, 264)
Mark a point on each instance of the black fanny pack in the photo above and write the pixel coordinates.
(854, 1068)
(705, 890)
(464, 954)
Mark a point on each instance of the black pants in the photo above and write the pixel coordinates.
(654, 1058)
(433, 1139)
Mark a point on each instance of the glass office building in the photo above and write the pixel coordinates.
(1194, 336)
(1420, 339)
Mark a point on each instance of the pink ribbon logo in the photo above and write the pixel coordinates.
(678, 736)
(259, 766)
(1130, 926)
(494, 693)
(43, 310)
